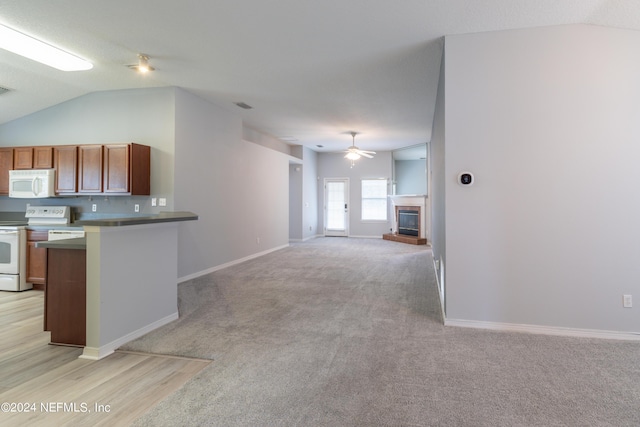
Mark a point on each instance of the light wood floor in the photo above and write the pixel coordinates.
(61, 389)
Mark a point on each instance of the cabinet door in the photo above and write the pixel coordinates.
(42, 157)
(65, 159)
(36, 264)
(90, 169)
(116, 168)
(6, 164)
(67, 296)
(23, 158)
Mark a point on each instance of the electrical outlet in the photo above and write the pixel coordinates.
(136, 208)
(154, 201)
(94, 207)
(627, 301)
(162, 201)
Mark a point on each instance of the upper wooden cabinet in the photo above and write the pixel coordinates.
(127, 169)
(90, 169)
(23, 158)
(42, 157)
(6, 164)
(65, 161)
(117, 169)
(33, 157)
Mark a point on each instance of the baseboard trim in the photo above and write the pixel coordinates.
(302, 240)
(544, 330)
(229, 264)
(438, 284)
(97, 353)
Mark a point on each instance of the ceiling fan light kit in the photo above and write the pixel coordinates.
(354, 153)
(143, 64)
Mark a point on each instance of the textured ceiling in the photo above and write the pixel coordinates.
(312, 70)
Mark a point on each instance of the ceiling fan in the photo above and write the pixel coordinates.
(354, 153)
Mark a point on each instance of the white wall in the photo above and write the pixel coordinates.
(437, 180)
(239, 189)
(127, 295)
(548, 121)
(410, 176)
(295, 202)
(310, 190)
(332, 165)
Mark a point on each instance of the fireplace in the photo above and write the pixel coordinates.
(409, 222)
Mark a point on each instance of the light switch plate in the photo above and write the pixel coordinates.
(163, 201)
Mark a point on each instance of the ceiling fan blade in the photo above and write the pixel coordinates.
(364, 154)
(368, 152)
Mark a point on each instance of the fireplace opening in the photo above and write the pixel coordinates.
(408, 222)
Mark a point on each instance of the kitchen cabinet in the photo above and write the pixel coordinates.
(90, 168)
(6, 164)
(42, 157)
(65, 161)
(36, 259)
(23, 158)
(32, 157)
(127, 169)
(66, 296)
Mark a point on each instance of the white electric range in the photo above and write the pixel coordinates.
(13, 243)
(54, 216)
(13, 247)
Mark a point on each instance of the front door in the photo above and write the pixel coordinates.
(336, 207)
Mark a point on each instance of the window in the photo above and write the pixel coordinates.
(374, 200)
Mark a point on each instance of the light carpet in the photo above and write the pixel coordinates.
(347, 332)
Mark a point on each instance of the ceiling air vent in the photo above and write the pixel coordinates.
(3, 90)
(243, 105)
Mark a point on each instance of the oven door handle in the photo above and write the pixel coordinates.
(8, 232)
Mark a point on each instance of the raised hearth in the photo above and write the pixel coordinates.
(413, 240)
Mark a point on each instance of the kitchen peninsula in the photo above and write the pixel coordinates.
(131, 277)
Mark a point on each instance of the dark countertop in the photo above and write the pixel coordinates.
(45, 227)
(137, 220)
(77, 243)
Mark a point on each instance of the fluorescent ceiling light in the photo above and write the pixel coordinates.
(31, 48)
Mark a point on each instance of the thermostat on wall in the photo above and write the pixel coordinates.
(465, 178)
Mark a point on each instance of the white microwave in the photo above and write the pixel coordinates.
(31, 183)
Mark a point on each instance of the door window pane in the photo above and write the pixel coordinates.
(335, 206)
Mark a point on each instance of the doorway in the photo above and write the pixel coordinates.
(336, 206)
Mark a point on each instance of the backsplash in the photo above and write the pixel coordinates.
(121, 205)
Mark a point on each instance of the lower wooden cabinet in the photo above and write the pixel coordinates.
(66, 296)
(37, 259)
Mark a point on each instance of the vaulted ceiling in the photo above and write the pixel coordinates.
(313, 71)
